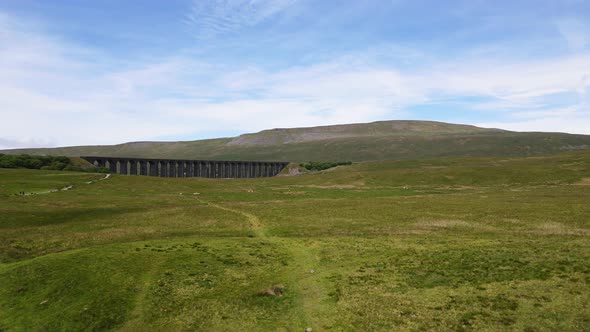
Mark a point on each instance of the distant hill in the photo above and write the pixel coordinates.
(383, 140)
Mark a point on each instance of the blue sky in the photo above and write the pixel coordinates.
(102, 72)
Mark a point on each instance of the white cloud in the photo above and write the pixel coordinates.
(515, 81)
(557, 122)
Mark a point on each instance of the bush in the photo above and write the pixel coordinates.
(7, 162)
(34, 162)
(58, 165)
(320, 166)
(99, 170)
(63, 159)
(73, 168)
(51, 163)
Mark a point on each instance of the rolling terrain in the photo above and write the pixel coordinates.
(384, 140)
(459, 243)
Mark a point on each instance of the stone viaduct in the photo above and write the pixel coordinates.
(188, 168)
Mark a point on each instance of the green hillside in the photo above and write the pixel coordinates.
(385, 140)
(461, 243)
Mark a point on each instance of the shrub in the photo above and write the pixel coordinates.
(55, 163)
(99, 170)
(37, 162)
(33, 163)
(7, 161)
(320, 166)
(73, 168)
(58, 165)
(63, 159)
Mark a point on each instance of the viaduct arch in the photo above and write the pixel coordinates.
(180, 168)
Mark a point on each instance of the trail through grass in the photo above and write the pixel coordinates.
(303, 277)
(136, 318)
(255, 223)
(307, 275)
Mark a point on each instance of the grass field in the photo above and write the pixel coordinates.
(460, 244)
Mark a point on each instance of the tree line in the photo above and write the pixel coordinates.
(57, 163)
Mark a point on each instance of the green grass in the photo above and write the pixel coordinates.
(457, 244)
(31, 181)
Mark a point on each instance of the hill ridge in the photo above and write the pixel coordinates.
(379, 140)
(376, 128)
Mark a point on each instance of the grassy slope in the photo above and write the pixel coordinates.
(388, 140)
(40, 182)
(447, 244)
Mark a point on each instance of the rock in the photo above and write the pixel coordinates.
(276, 290)
(43, 302)
(309, 329)
(267, 292)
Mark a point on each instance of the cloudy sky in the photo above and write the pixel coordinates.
(76, 72)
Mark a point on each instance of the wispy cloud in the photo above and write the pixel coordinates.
(217, 17)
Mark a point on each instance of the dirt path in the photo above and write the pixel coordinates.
(255, 223)
(305, 277)
(62, 189)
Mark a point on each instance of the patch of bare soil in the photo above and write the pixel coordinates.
(292, 170)
(583, 182)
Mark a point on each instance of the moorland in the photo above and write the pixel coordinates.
(381, 140)
(454, 243)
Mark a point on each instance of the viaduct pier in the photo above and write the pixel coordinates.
(188, 168)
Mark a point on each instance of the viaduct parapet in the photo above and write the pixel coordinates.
(188, 168)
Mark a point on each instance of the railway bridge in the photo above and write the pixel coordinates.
(181, 168)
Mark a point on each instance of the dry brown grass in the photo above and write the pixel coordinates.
(442, 223)
(354, 185)
(583, 182)
(555, 228)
